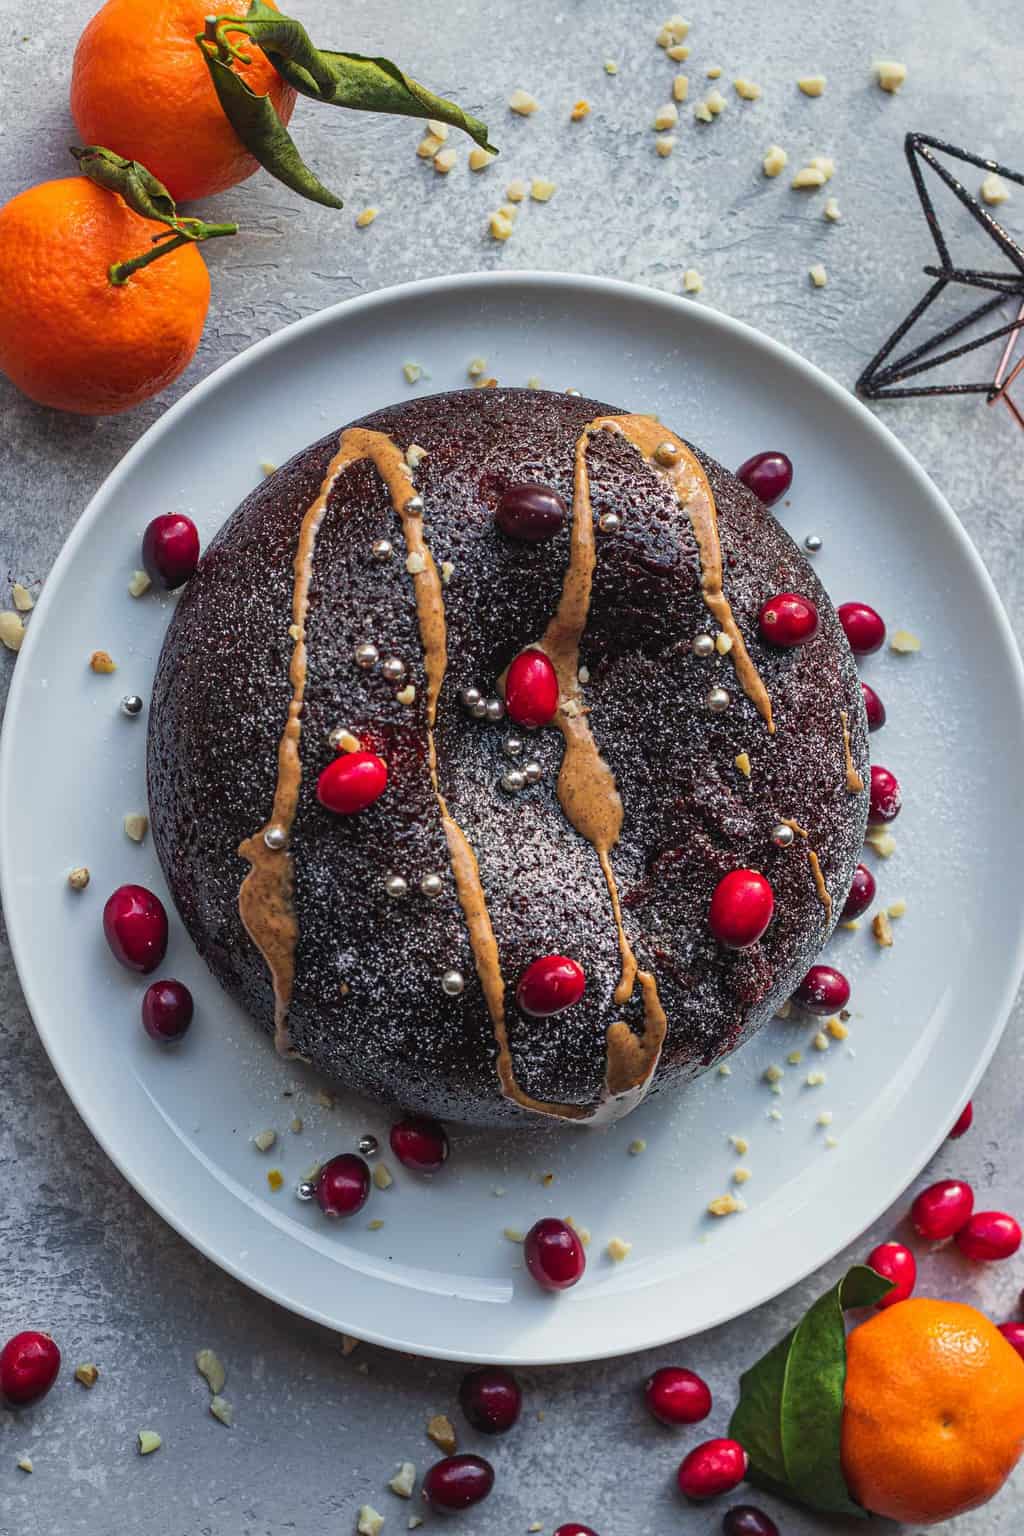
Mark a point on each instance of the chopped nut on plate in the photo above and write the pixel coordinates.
(837, 1029)
(678, 52)
(439, 130)
(404, 1480)
(680, 87)
(825, 164)
(87, 1375)
(724, 1069)
(517, 190)
(825, 1117)
(149, 1441)
(102, 662)
(542, 190)
(723, 643)
(500, 226)
(818, 275)
(479, 158)
(275, 1178)
(714, 72)
(890, 74)
(266, 469)
(264, 1140)
(78, 878)
(747, 90)
(414, 455)
(724, 1205)
(994, 190)
(513, 1234)
(815, 1079)
(715, 102)
(368, 1521)
(523, 103)
(772, 1074)
(903, 642)
(795, 1058)
(740, 1145)
(136, 826)
(366, 217)
(415, 563)
(22, 598)
(831, 210)
(412, 372)
(820, 1041)
(775, 160)
(441, 1430)
(742, 763)
(666, 116)
(444, 161)
(898, 908)
(406, 695)
(374, 1225)
(784, 1009)
(447, 568)
(882, 930)
(741, 1175)
(382, 1176)
(210, 1368)
(812, 85)
(140, 582)
(664, 144)
(809, 176)
(618, 1250)
(222, 1410)
(580, 110)
(637, 1147)
(610, 67)
(880, 841)
(703, 113)
(692, 281)
(428, 147)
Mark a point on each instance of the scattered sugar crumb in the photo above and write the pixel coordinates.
(723, 643)
(447, 571)
(851, 926)
(266, 470)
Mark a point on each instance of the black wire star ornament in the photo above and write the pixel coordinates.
(885, 376)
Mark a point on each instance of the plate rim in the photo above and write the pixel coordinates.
(612, 289)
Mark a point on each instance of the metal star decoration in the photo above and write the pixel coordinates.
(885, 376)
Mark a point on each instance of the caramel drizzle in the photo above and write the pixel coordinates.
(854, 782)
(824, 895)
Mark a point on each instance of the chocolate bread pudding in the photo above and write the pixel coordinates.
(478, 773)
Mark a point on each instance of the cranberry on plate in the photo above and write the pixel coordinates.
(170, 550)
(823, 991)
(458, 1482)
(420, 1144)
(895, 1262)
(343, 1185)
(135, 926)
(769, 475)
(873, 707)
(675, 1395)
(491, 1399)
(554, 1254)
(29, 1363)
(886, 796)
(862, 894)
(167, 1009)
(864, 628)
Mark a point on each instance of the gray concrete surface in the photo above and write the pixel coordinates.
(82, 1256)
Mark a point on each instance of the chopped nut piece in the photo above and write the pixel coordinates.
(724, 1205)
(348, 1344)
(692, 281)
(994, 190)
(852, 926)
(747, 89)
(830, 1142)
(517, 190)
(368, 1521)
(296, 1126)
(666, 116)
(509, 211)
(406, 695)
(414, 455)
(139, 584)
(825, 164)
(102, 662)
(136, 826)
(820, 1041)
(523, 103)
(618, 1250)
(444, 161)
(366, 217)
(740, 1145)
(678, 52)
(812, 85)
(809, 176)
(880, 841)
(441, 1430)
(476, 366)
(210, 1368)
(795, 1058)
(415, 563)
(680, 87)
(815, 1079)
(818, 275)
(264, 1140)
(898, 908)
(382, 1177)
(349, 743)
(637, 1147)
(715, 102)
(824, 1118)
(428, 146)
(773, 1074)
(500, 226)
(904, 643)
(547, 1180)
(837, 1029)
(414, 1522)
(775, 160)
(149, 1441)
(404, 1480)
(87, 1375)
(447, 568)
(610, 67)
(775, 1114)
(12, 630)
(724, 1069)
(890, 74)
(513, 1234)
(714, 72)
(742, 763)
(702, 113)
(222, 1410)
(22, 598)
(412, 372)
(542, 190)
(664, 145)
(740, 1175)
(374, 1225)
(723, 643)
(439, 130)
(275, 1178)
(831, 210)
(882, 930)
(479, 158)
(580, 110)
(266, 468)
(78, 878)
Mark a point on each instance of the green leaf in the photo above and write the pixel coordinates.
(789, 1417)
(140, 189)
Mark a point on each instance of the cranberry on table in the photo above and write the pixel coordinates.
(988, 1236)
(549, 985)
(788, 620)
(170, 550)
(862, 894)
(895, 1262)
(530, 512)
(886, 795)
(768, 474)
(964, 1122)
(823, 991)
(420, 1144)
(490, 1399)
(677, 1396)
(135, 926)
(554, 1254)
(873, 707)
(167, 1009)
(741, 908)
(863, 627)
(29, 1363)
(572, 1529)
(531, 689)
(343, 1185)
(942, 1209)
(716, 1466)
(1013, 1333)
(748, 1520)
(352, 782)
(458, 1482)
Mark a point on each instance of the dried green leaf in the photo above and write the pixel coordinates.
(140, 189)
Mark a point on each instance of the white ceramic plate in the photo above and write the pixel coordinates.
(439, 1277)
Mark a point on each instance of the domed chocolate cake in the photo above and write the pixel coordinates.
(457, 733)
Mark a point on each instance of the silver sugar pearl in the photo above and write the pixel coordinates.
(414, 506)
(813, 543)
(478, 710)
(306, 1190)
(533, 772)
(494, 709)
(782, 835)
(368, 1145)
(276, 838)
(471, 697)
(337, 738)
(609, 522)
(452, 983)
(717, 700)
(131, 704)
(432, 886)
(666, 453)
(393, 669)
(396, 886)
(703, 645)
(512, 746)
(513, 780)
(383, 549)
(367, 655)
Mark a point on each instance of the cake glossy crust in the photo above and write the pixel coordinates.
(367, 1006)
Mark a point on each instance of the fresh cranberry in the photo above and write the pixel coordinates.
(1013, 1333)
(989, 1235)
(135, 926)
(352, 782)
(28, 1368)
(170, 550)
(873, 707)
(531, 689)
(769, 475)
(554, 1254)
(549, 985)
(573, 1529)
(167, 1010)
(863, 627)
(942, 1209)
(823, 991)
(343, 1185)
(862, 894)
(491, 1399)
(788, 619)
(964, 1123)
(457, 1482)
(420, 1144)
(894, 1262)
(530, 512)
(677, 1396)
(886, 796)
(748, 1520)
(716, 1466)
(741, 908)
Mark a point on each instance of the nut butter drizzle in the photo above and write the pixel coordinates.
(854, 782)
(824, 895)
